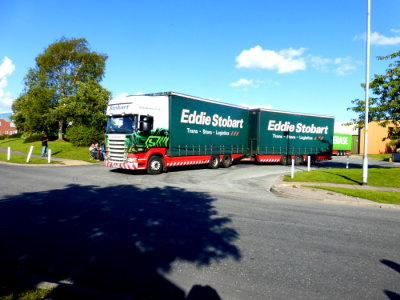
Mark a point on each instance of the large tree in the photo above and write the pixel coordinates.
(384, 105)
(62, 88)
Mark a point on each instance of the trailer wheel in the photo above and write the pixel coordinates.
(155, 165)
(214, 162)
(298, 160)
(285, 160)
(226, 161)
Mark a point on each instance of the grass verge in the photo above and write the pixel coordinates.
(384, 156)
(20, 159)
(378, 176)
(60, 149)
(377, 196)
(28, 295)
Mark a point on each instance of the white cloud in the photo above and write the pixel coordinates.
(285, 61)
(269, 106)
(242, 82)
(252, 83)
(320, 63)
(381, 40)
(340, 66)
(288, 61)
(6, 69)
(345, 66)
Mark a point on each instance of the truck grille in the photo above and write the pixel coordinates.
(116, 148)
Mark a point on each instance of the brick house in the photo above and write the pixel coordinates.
(7, 127)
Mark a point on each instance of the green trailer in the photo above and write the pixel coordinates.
(279, 136)
(204, 127)
(342, 144)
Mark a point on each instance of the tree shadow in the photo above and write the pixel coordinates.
(118, 239)
(395, 266)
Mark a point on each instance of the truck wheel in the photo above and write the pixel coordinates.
(298, 160)
(226, 161)
(214, 162)
(285, 160)
(155, 165)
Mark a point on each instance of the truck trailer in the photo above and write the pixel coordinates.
(342, 144)
(156, 131)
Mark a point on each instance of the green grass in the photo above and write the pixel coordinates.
(28, 295)
(385, 156)
(60, 149)
(377, 196)
(20, 159)
(376, 176)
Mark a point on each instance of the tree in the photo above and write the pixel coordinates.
(63, 87)
(384, 107)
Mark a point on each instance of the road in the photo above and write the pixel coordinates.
(165, 236)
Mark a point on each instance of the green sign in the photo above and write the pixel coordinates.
(342, 141)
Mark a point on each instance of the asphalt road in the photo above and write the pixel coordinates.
(164, 236)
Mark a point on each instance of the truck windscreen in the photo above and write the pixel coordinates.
(122, 124)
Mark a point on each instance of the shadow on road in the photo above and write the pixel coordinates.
(114, 239)
(395, 266)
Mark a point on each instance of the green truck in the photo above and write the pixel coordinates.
(154, 132)
(342, 144)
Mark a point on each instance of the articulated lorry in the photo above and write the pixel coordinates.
(154, 132)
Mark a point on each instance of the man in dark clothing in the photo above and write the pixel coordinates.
(45, 139)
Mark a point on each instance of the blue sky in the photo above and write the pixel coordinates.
(305, 56)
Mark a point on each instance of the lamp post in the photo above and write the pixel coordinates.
(365, 160)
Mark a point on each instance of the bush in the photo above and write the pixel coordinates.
(84, 136)
(16, 135)
(33, 138)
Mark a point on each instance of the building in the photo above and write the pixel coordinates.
(7, 127)
(378, 141)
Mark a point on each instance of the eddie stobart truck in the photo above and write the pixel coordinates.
(154, 132)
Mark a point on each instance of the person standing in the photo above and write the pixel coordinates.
(45, 139)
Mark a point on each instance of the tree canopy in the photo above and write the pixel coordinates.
(384, 105)
(63, 88)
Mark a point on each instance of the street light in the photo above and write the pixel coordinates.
(365, 161)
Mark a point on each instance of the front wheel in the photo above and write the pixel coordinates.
(155, 165)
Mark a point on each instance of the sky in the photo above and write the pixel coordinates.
(303, 56)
